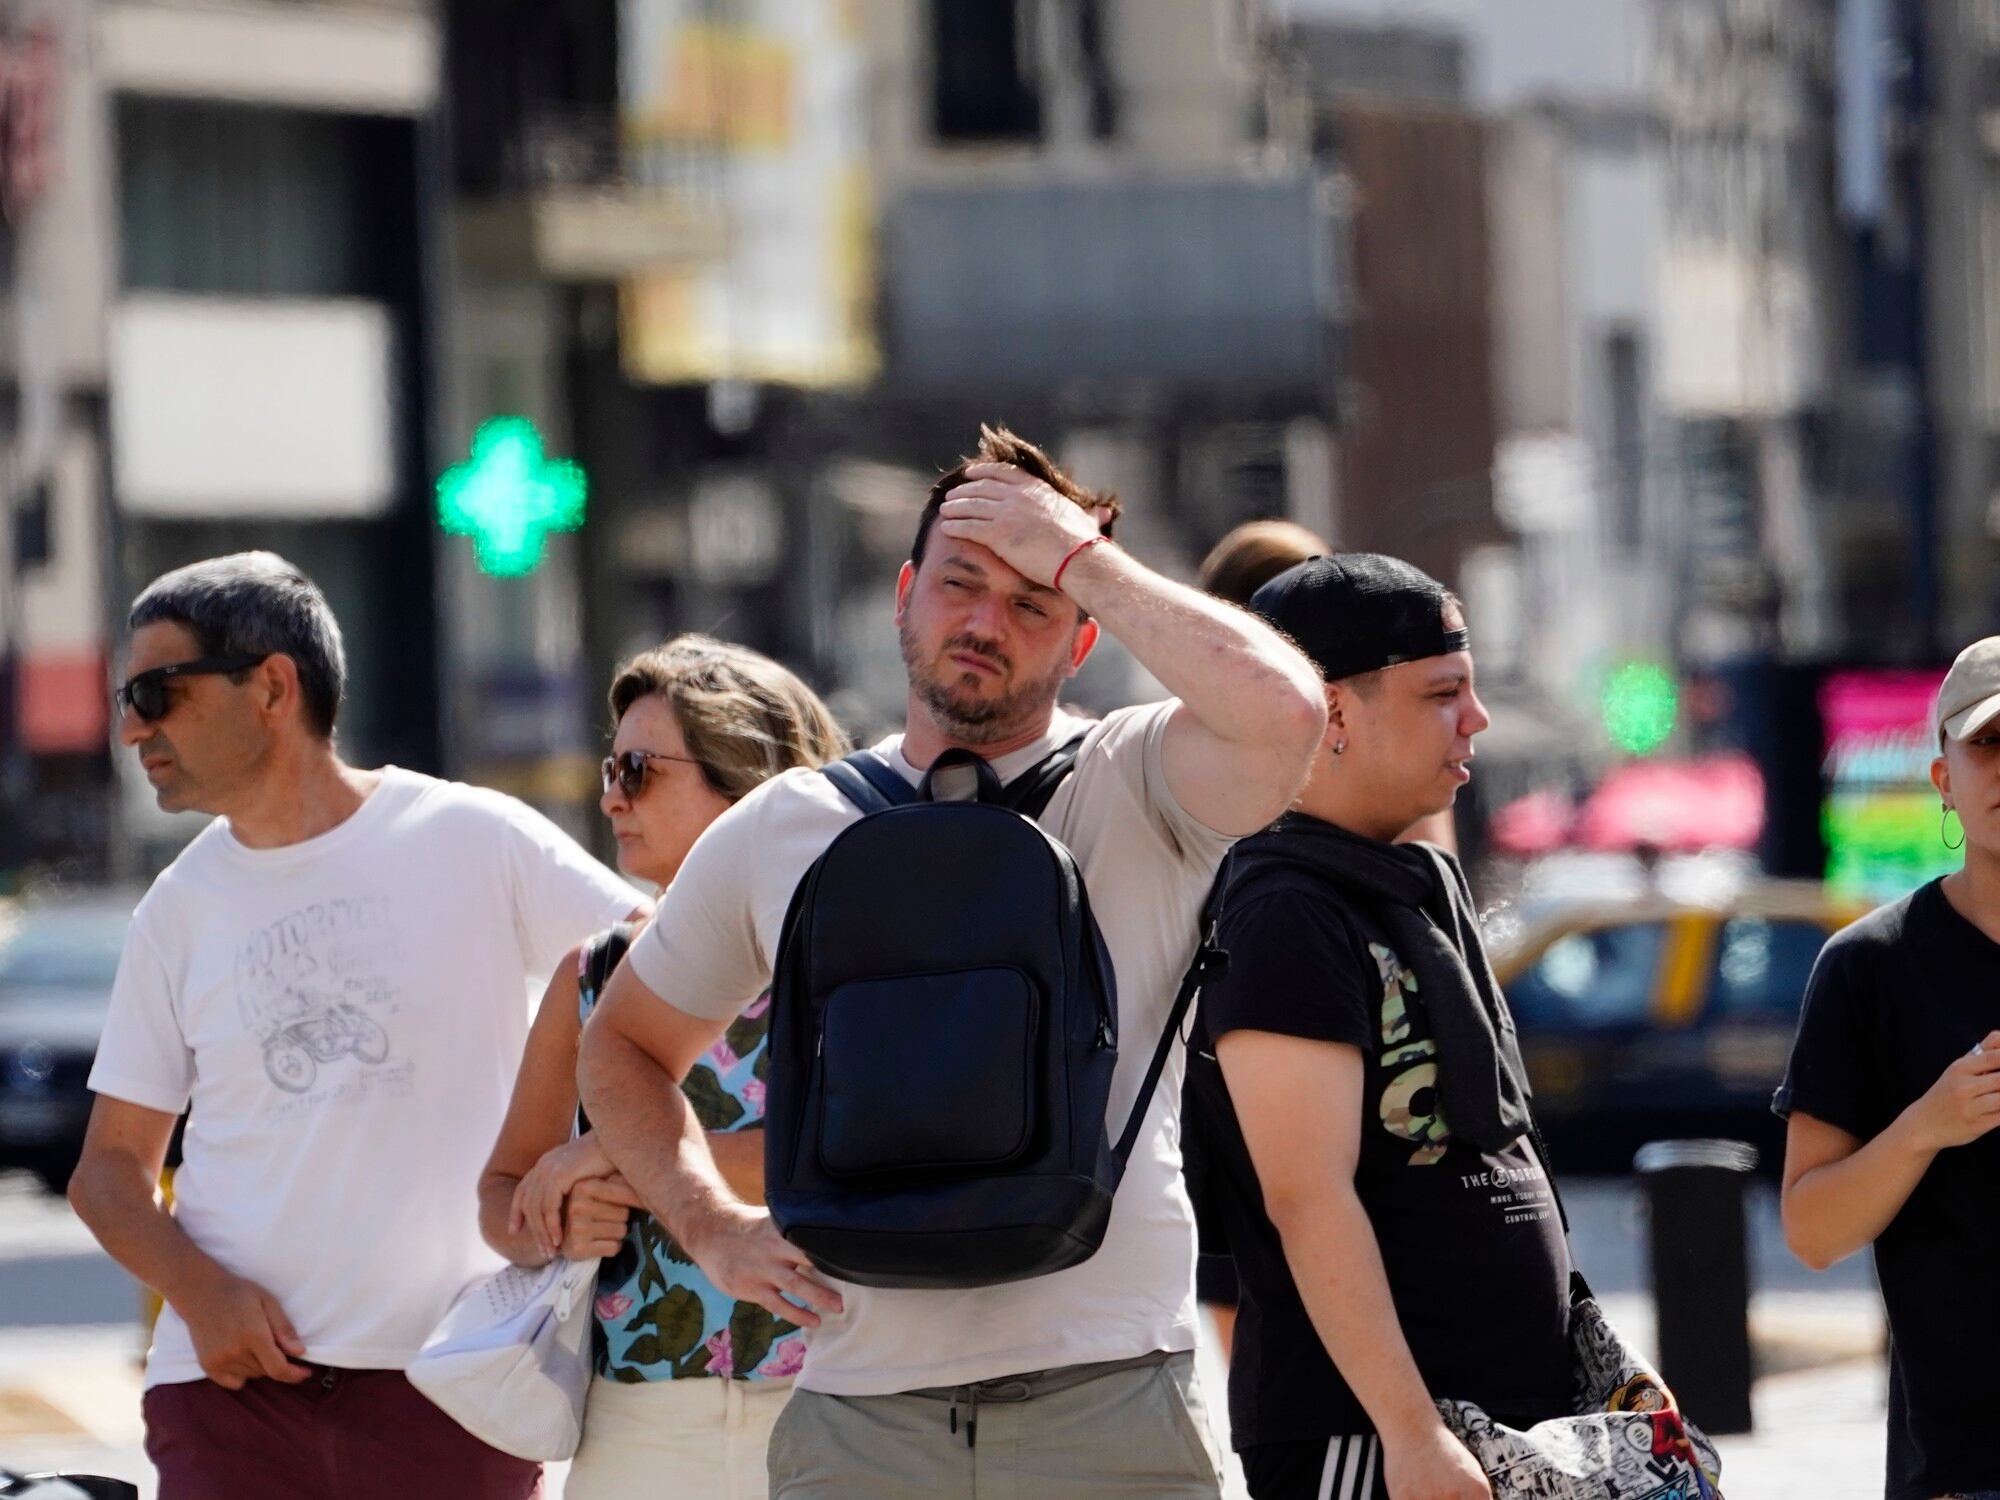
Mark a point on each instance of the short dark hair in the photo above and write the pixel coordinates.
(999, 445)
(255, 604)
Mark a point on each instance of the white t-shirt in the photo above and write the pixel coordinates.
(346, 1015)
(1148, 865)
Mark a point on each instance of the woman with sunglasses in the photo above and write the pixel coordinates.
(688, 1382)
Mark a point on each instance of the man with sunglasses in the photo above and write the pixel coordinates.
(336, 973)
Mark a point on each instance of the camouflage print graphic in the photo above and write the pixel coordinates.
(1395, 1014)
(1409, 1107)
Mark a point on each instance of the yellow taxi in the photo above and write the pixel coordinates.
(1648, 1018)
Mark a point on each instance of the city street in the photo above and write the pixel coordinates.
(457, 458)
(69, 1373)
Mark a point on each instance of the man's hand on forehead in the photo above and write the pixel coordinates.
(1027, 524)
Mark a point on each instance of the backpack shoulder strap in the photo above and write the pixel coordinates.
(866, 779)
(1210, 962)
(1029, 793)
(603, 954)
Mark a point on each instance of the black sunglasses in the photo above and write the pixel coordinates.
(146, 693)
(628, 769)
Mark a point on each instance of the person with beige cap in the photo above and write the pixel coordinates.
(1892, 1096)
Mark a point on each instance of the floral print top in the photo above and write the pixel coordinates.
(658, 1316)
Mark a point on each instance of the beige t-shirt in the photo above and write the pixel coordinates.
(1148, 865)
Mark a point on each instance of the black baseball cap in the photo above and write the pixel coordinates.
(1358, 612)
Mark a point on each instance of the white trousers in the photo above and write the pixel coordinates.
(676, 1438)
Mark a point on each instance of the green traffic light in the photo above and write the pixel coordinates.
(509, 495)
(1641, 704)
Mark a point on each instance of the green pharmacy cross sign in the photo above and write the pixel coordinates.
(509, 495)
(1641, 705)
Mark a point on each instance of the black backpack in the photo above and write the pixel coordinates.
(943, 1035)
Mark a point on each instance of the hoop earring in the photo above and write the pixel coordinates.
(1948, 810)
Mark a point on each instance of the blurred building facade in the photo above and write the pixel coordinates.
(1834, 273)
(1961, 306)
(1103, 223)
(826, 241)
(1685, 350)
(1744, 292)
(1392, 123)
(655, 255)
(1578, 196)
(1753, 281)
(218, 333)
(1505, 295)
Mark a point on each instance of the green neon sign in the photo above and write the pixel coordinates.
(509, 495)
(1883, 843)
(1641, 705)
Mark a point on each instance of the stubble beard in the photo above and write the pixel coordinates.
(974, 720)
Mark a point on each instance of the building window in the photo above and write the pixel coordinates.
(1627, 436)
(240, 200)
(983, 75)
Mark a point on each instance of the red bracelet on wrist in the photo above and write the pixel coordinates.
(1083, 546)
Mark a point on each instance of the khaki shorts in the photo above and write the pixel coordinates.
(703, 1438)
(1132, 1428)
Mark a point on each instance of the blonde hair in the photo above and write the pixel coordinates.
(1255, 553)
(744, 716)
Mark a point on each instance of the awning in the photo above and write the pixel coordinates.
(1674, 806)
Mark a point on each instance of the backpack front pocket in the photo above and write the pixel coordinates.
(956, 1051)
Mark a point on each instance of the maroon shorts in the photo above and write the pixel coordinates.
(342, 1435)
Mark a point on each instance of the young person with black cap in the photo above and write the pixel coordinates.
(1393, 1226)
(1892, 1096)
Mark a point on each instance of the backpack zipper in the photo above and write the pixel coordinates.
(1087, 939)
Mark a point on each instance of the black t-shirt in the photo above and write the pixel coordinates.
(1893, 1000)
(1477, 1263)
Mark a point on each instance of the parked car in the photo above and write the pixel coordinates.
(1648, 1018)
(58, 956)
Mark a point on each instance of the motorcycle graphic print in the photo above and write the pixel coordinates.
(314, 990)
(327, 1031)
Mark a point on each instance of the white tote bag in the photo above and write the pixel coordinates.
(510, 1363)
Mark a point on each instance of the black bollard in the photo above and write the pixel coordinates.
(1696, 1241)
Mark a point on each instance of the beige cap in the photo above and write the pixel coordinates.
(1969, 700)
